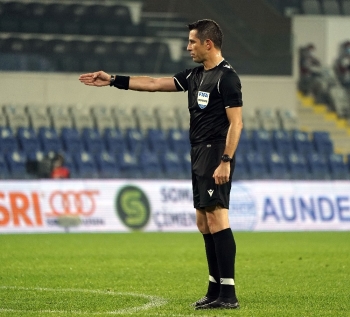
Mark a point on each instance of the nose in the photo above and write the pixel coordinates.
(188, 46)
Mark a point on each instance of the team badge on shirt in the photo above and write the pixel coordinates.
(203, 99)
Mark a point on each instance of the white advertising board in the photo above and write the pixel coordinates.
(127, 205)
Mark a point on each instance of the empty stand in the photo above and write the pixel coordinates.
(311, 7)
(331, 7)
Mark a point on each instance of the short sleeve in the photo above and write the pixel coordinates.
(180, 80)
(230, 89)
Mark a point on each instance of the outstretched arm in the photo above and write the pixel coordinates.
(140, 83)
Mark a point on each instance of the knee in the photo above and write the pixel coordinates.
(202, 226)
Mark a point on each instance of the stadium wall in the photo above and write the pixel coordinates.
(53, 88)
(134, 205)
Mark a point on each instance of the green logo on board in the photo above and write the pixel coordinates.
(132, 207)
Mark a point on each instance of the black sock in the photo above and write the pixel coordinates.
(225, 247)
(214, 276)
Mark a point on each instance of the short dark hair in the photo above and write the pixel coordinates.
(208, 29)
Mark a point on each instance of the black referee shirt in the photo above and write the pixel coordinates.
(209, 93)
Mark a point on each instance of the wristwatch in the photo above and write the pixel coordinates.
(226, 158)
(111, 82)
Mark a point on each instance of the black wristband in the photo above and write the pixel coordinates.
(121, 82)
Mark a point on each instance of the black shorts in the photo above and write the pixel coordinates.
(205, 159)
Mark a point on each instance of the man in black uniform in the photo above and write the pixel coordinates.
(214, 102)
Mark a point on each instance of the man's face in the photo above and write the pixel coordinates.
(197, 49)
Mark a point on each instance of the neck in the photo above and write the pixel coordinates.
(213, 62)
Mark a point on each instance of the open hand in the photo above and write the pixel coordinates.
(98, 79)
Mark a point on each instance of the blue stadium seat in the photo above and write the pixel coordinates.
(256, 165)
(71, 140)
(178, 140)
(28, 140)
(8, 141)
(302, 142)
(245, 144)
(70, 164)
(129, 165)
(4, 170)
(337, 167)
(49, 140)
(241, 171)
(298, 167)
(115, 141)
(107, 165)
(136, 140)
(186, 161)
(85, 164)
(150, 165)
(277, 166)
(172, 165)
(262, 142)
(17, 161)
(322, 142)
(282, 142)
(318, 166)
(157, 140)
(93, 141)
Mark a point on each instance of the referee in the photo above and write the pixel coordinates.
(215, 106)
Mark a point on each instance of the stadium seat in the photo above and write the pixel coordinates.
(146, 118)
(136, 140)
(337, 167)
(268, 119)
(172, 165)
(277, 166)
(183, 117)
(39, 116)
(150, 165)
(241, 171)
(250, 119)
(115, 141)
(61, 116)
(186, 160)
(297, 165)
(322, 142)
(245, 144)
(107, 165)
(129, 165)
(85, 164)
(262, 141)
(71, 140)
(257, 165)
(124, 118)
(4, 171)
(318, 166)
(289, 119)
(49, 140)
(178, 140)
(103, 117)
(17, 161)
(282, 142)
(28, 140)
(8, 141)
(302, 143)
(92, 140)
(82, 117)
(157, 140)
(167, 118)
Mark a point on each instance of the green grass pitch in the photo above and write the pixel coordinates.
(160, 274)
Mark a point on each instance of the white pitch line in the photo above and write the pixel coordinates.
(154, 301)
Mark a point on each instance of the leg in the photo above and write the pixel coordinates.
(225, 248)
(214, 275)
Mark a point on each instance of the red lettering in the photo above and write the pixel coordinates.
(37, 211)
(4, 213)
(19, 204)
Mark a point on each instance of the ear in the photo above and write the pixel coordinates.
(209, 44)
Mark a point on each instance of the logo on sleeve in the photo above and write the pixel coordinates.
(203, 99)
